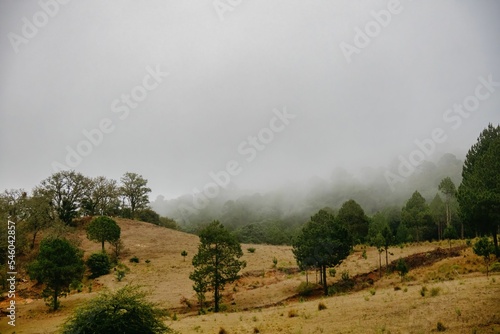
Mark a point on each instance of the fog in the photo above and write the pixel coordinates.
(253, 96)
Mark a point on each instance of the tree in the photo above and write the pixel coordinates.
(38, 215)
(378, 241)
(101, 198)
(450, 233)
(447, 187)
(479, 192)
(352, 216)
(438, 212)
(126, 312)
(415, 215)
(217, 261)
(98, 264)
(184, 254)
(66, 189)
(322, 243)
(484, 247)
(58, 264)
(103, 229)
(135, 191)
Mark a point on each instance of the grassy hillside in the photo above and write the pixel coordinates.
(265, 299)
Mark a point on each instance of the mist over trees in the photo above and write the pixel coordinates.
(275, 217)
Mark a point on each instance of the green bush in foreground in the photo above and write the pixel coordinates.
(125, 311)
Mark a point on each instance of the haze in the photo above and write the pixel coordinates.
(229, 78)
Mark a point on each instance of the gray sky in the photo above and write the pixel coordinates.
(229, 67)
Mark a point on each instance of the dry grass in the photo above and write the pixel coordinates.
(263, 299)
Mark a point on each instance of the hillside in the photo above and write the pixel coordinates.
(264, 295)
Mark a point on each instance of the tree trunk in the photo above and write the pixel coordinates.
(55, 306)
(307, 278)
(33, 241)
(386, 258)
(325, 285)
(495, 242)
(380, 264)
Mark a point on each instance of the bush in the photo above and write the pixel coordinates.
(423, 291)
(321, 306)
(495, 267)
(134, 259)
(251, 250)
(125, 311)
(305, 289)
(293, 313)
(402, 267)
(99, 264)
(345, 275)
(332, 272)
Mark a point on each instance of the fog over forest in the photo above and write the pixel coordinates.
(293, 98)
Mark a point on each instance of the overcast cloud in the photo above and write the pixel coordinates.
(228, 78)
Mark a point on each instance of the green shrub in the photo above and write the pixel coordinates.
(321, 306)
(134, 259)
(305, 289)
(99, 264)
(345, 275)
(251, 250)
(495, 267)
(332, 272)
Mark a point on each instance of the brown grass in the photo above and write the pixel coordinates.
(264, 297)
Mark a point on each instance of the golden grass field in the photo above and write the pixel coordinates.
(265, 299)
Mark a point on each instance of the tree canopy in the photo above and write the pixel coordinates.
(353, 217)
(479, 192)
(102, 229)
(217, 261)
(322, 243)
(134, 189)
(58, 264)
(126, 312)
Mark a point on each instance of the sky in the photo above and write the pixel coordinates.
(257, 93)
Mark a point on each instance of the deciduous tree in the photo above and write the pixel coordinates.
(135, 191)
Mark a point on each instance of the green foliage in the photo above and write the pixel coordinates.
(184, 254)
(134, 259)
(332, 272)
(217, 261)
(479, 192)
(275, 262)
(353, 218)
(306, 289)
(450, 233)
(101, 197)
(148, 215)
(402, 268)
(323, 243)
(251, 249)
(440, 327)
(66, 190)
(125, 311)
(102, 229)
(98, 264)
(58, 265)
(485, 248)
(416, 216)
(134, 189)
(321, 306)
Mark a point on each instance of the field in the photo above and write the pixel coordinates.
(458, 295)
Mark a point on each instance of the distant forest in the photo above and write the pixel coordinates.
(276, 217)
